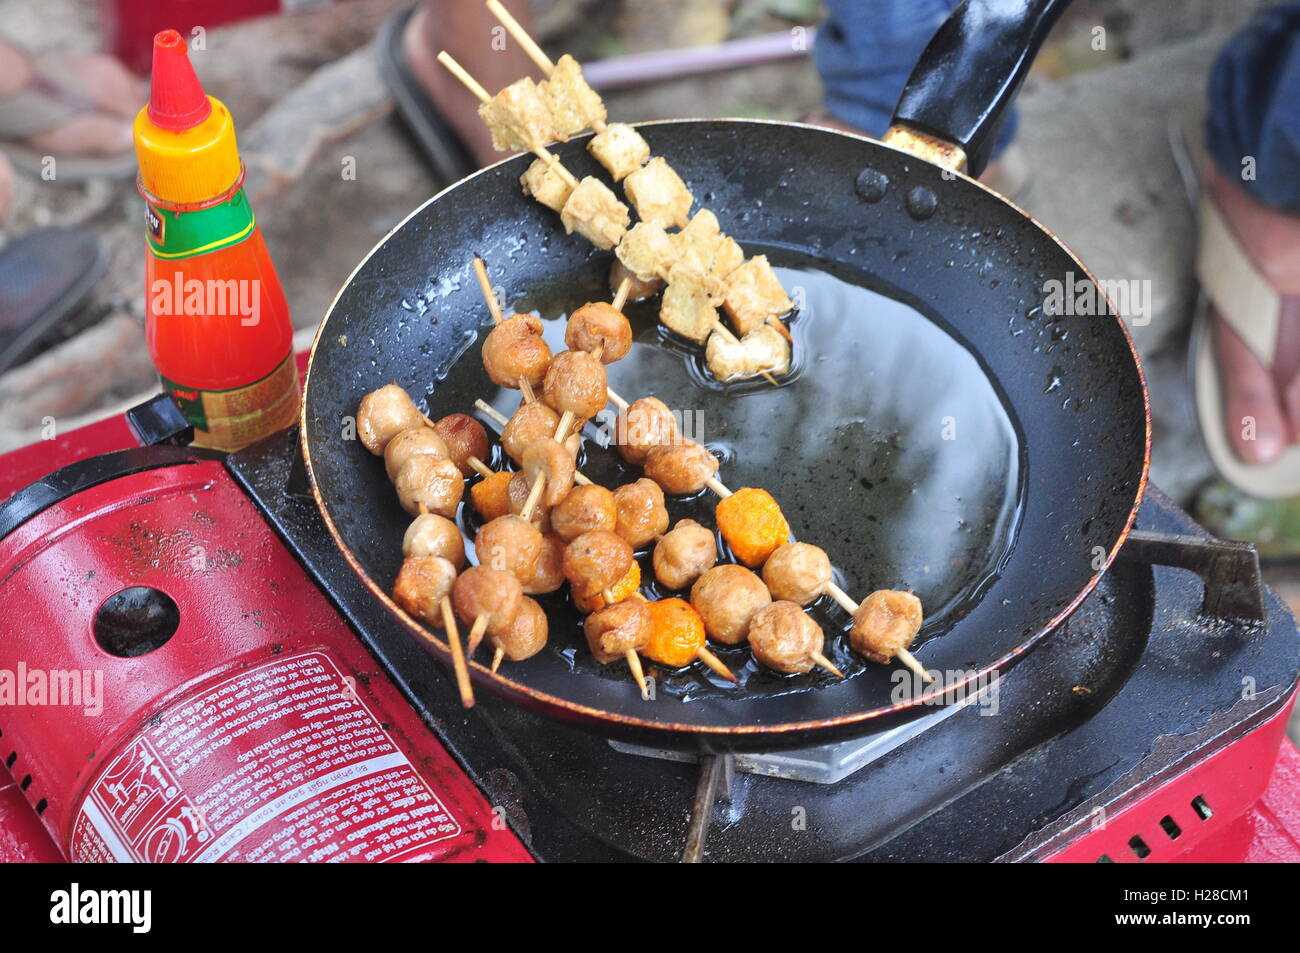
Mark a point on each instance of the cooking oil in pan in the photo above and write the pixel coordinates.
(887, 445)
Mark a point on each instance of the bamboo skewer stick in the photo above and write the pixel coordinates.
(825, 663)
(633, 660)
(458, 662)
(476, 634)
(620, 296)
(484, 96)
(489, 295)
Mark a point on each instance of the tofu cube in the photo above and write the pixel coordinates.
(705, 251)
(594, 212)
(647, 251)
(763, 349)
(687, 307)
(659, 195)
(754, 294)
(545, 184)
(518, 118)
(620, 149)
(572, 103)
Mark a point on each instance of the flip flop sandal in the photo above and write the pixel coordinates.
(44, 276)
(45, 102)
(440, 144)
(1252, 307)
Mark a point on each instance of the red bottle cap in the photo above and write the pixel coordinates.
(176, 99)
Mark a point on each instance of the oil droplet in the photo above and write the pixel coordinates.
(871, 185)
(921, 203)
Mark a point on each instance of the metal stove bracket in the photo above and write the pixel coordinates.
(717, 773)
(1234, 590)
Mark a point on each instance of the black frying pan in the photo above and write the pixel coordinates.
(940, 431)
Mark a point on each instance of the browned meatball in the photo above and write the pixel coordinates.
(530, 423)
(433, 482)
(422, 583)
(550, 459)
(511, 544)
(647, 423)
(526, 635)
(640, 515)
(383, 414)
(797, 572)
(596, 560)
(684, 554)
(681, 468)
(639, 290)
(514, 349)
(782, 636)
(615, 630)
(488, 593)
(599, 325)
(886, 623)
(575, 383)
(464, 437)
(517, 491)
(410, 443)
(432, 535)
(585, 508)
(549, 574)
(727, 598)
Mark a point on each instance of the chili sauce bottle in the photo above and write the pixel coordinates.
(217, 323)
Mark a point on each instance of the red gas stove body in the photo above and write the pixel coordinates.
(259, 729)
(262, 729)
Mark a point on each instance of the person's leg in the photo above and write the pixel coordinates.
(1253, 137)
(866, 50)
(471, 34)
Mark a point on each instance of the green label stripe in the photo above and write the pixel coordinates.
(175, 234)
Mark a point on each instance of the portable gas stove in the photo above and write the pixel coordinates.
(1151, 727)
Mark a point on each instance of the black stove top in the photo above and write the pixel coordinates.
(1153, 654)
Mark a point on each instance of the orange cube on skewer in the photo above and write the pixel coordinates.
(676, 633)
(625, 588)
(491, 495)
(752, 524)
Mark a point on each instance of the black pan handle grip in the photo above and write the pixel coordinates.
(971, 70)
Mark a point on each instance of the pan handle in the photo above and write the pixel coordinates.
(958, 94)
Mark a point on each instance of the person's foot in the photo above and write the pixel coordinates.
(464, 30)
(104, 83)
(1270, 396)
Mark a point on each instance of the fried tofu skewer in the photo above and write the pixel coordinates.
(483, 96)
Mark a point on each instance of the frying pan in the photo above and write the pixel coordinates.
(941, 431)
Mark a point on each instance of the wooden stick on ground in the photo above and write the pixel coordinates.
(457, 655)
(483, 96)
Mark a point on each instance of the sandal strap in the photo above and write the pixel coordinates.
(1240, 294)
